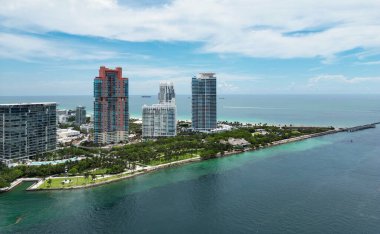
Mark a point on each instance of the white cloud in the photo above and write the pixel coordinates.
(258, 28)
(145, 78)
(341, 79)
(369, 63)
(28, 48)
(227, 87)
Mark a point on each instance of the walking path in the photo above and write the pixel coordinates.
(121, 176)
(145, 169)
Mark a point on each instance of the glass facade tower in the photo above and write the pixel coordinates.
(204, 112)
(80, 115)
(111, 112)
(27, 129)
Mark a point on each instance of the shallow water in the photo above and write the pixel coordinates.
(321, 185)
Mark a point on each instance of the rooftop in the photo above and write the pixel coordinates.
(206, 75)
(166, 83)
(32, 103)
(160, 105)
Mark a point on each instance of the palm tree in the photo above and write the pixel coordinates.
(93, 177)
(133, 166)
(49, 182)
(86, 175)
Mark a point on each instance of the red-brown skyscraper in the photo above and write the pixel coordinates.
(111, 113)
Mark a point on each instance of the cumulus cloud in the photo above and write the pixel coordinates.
(28, 48)
(146, 76)
(369, 63)
(256, 28)
(341, 79)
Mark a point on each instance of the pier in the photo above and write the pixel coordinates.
(38, 181)
(361, 127)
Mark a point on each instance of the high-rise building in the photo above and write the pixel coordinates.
(111, 112)
(80, 115)
(204, 113)
(27, 129)
(159, 120)
(166, 93)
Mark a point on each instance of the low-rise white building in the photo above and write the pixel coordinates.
(62, 116)
(86, 127)
(236, 142)
(67, 135)
(221, 128)
(62, 112)
(261, 131)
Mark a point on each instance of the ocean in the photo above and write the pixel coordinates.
(311, 110)
(329, 184)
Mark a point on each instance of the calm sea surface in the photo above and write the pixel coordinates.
(329, 184)
(326, 110)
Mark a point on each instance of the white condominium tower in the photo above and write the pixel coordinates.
(159, 120)
(167, 93)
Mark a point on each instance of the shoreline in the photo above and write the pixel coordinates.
(126, 176)
(40, 181)
(19, 181)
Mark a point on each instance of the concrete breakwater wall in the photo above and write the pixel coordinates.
(304, 137)
(19, 181)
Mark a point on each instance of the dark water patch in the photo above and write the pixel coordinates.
(322, 185)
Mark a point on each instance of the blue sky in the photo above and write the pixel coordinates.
(254, 46)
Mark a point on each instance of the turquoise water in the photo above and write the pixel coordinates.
(329, 184)
(322, 185)
(326, 110)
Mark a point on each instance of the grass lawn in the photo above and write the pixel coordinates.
(76, 181)
(101, 171)
(163, 161)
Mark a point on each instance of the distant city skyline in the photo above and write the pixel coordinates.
(265, 47)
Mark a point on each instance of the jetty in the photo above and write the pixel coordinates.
(38, 182)
(361, 127)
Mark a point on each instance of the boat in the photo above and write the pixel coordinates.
(146, 96)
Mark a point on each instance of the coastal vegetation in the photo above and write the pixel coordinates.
(69, 181)
(65, 153)
(135, 126)
(153, 152)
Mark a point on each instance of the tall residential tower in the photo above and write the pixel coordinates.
(167, 93)
(159, 120)
(80, 115)
(27, 129)
(204, 111)
(111, 111)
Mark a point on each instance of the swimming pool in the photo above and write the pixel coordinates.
(55, 161)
